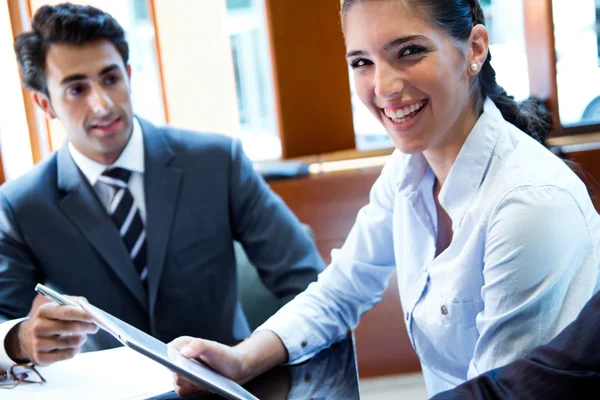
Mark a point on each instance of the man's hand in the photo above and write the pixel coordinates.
(52, 333)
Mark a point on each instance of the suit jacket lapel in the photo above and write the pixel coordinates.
(82, 207)
(161, 184)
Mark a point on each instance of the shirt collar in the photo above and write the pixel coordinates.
(132, 157)
(468, 170)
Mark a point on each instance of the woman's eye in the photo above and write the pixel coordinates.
(361, 62)
(410, 50)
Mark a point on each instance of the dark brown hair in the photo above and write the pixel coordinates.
(457, 18)
(63, 23)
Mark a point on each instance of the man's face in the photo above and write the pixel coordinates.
(90, 95)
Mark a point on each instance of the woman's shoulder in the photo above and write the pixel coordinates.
(519, 160)
(524, 175)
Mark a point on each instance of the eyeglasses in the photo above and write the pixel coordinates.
(18, 374)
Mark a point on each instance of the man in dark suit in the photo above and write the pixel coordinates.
(138, 219)
(566, 368)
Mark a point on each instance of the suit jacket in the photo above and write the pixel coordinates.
(566, 368)
(201, 192)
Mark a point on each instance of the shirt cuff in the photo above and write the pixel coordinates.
(298, 343)
(5, 361)
(303, 384)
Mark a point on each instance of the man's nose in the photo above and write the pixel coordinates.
(100, 102)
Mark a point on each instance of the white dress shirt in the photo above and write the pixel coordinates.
(522, 262)
(132, 158)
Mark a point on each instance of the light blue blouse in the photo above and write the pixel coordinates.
(522, 262)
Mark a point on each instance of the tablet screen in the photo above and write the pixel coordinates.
(167, 356)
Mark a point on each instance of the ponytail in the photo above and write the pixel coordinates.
(530, 116)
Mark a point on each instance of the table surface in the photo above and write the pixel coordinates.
(331, 374)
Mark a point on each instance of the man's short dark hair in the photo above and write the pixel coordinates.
(64, 23)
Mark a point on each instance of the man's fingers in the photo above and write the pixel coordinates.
(46, 358)
(46, 345)
(63, 313)
(49, 328)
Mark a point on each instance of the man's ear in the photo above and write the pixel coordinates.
(479, 43)
(43, 102)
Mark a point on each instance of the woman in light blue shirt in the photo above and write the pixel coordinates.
(494, 239)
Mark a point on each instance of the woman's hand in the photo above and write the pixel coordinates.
(224, 359)
(259, 353)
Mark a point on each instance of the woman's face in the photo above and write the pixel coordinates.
(410, 74)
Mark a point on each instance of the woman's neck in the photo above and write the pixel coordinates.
(442, 156)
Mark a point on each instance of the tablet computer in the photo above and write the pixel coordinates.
(157, 350)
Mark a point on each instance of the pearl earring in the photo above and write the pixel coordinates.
(474, 67)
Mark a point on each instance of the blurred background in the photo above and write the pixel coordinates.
(272, 72)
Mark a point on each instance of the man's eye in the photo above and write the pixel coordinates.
(75, 90)
(111, 80)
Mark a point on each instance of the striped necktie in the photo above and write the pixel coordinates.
(126, 217)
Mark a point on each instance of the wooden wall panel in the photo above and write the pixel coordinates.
(587, 165)
(541, 55)
(329, 204)
(20, 12)
(310, 74)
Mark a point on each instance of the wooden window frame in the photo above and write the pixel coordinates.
(310, 75)
(305, 132)
(39, 137)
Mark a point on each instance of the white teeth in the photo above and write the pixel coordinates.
(105, 124)
(401, 115)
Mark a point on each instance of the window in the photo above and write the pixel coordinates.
(577, 40)
(505, 23)
(14, 141)
(246, 23)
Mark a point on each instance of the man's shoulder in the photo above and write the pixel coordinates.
(39, 182)
(187, 140)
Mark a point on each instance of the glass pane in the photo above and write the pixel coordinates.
(14, 133)
(504, 20)
(247, 28)
(577, 38)
(235, 4)
(146, 88)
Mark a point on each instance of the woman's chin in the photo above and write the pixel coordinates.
(408, 146)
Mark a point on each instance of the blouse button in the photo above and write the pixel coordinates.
(304, 343)
(444, 310)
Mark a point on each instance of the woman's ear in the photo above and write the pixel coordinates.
(478, 48)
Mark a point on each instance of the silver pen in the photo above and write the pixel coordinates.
(55, 296)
